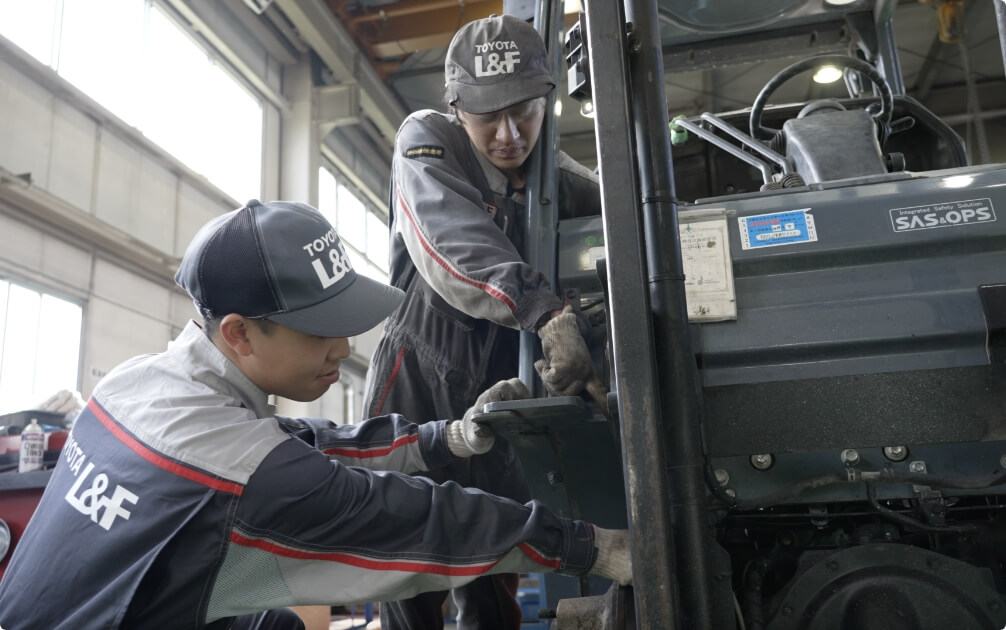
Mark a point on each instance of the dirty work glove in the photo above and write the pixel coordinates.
(567, 367)
(613, 559)
(465, 437)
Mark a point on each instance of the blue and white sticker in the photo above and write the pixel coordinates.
(779, 228)
(938, 215)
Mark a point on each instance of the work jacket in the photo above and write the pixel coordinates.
(181, 501)
(455, 250)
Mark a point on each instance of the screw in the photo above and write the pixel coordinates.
(554, 477)
(722, 476)
(850, 457)
(895, 453)
(764, 461)
(917, 466)
(730, 492)
(1002, 461)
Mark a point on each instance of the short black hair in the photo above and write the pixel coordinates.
(212, 325)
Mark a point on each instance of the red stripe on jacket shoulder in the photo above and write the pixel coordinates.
(157, 459)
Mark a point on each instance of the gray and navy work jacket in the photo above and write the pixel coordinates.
(455, 251)
(181, 501)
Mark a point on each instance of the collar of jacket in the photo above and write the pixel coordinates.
(207, 364)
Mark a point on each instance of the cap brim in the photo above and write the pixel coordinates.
(482, 99)
(355, 310)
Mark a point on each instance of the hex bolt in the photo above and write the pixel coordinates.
(730, 492)
(917, 466)
(722, 476)
(895, 453)
(850, 457)
(762, 461)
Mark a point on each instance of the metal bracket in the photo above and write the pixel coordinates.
(993, 299)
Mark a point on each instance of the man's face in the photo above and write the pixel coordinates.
(293, 364)
(506, 136)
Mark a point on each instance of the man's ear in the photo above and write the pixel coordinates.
(234, 334)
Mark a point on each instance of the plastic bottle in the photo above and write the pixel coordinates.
(32, 447)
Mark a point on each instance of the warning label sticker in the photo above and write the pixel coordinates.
(780, 228)
(939, 215)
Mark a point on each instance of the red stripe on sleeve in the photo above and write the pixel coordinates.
(496, 293)
(537, 557)
(366, 453)
(359, 561)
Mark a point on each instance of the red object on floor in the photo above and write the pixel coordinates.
(20, 493)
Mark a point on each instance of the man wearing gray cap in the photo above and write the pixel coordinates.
(181, 500)
(457, 194)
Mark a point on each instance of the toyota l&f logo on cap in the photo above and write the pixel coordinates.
(499, 58)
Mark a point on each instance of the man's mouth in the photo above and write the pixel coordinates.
(330, 377)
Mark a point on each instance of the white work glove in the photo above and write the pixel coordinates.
(613, 559)
(64, 401)
(567, 367)
(465, 437)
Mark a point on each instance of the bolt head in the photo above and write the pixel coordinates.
(895, 453)
(850, 457)
(762, 461)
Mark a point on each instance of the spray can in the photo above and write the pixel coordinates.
(32, 447)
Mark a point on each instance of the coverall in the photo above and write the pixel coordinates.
(455, 251)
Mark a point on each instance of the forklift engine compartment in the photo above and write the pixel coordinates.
(856, 401)
(851, 368)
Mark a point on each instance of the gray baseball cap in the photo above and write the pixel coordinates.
(284, 262)
(495, 62)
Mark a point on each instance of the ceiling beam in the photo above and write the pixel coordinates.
(320, 28)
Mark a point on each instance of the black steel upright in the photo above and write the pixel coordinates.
(695, 546)
(1000, 7)
(539, 224)
(634, 361)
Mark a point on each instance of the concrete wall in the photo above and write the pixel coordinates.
(89, 208)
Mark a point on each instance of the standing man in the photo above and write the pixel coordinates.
(457, 194)
(181, 500)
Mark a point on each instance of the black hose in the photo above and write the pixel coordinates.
(884, 476)
(911, 523)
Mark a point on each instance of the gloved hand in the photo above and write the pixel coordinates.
(64, 401)
(465, 437)
(567, 367)
(613, 558)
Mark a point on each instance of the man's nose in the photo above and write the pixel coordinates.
(340, 349)
(507, 131)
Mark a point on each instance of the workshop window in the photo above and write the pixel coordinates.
(362, 230)
(39, 346)
(132, 58)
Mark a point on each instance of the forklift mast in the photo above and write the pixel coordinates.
(806, 424)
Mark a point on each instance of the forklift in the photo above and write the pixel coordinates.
(805, 425)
